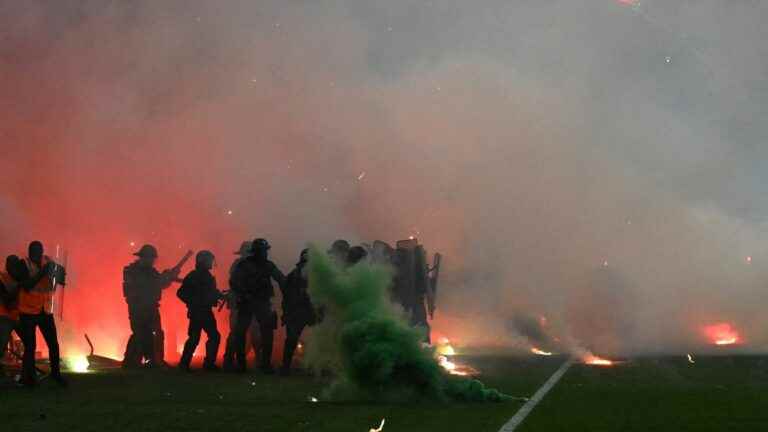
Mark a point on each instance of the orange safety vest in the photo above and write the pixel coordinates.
(40, 297)
(8, 311)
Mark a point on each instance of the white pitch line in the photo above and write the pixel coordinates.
(526, 409)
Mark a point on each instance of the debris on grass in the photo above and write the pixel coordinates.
(381, 427)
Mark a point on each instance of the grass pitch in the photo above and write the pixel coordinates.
(715, 394)
(659, 394)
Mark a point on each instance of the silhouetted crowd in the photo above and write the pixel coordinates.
(27, 288)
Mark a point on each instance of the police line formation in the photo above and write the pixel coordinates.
(27, 287)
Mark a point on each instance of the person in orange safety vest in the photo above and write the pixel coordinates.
(36, 311)
(9, 312)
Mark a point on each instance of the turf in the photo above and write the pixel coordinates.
(654, 394)
(171, 400)
(659, 394)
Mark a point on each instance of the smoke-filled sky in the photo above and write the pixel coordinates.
(530, 142)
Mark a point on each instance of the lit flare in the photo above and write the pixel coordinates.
(594, 360)
(722, 334)
(455, 368)
(540, 352)
(77, 364)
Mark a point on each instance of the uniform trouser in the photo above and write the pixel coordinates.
(7, 325)
(419, 319)
(28, 325)
(292, 334)
(229, 350)
(266, 318)
(201, 320)
(147, 338)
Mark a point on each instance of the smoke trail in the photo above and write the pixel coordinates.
(373, 352)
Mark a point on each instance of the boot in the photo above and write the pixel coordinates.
(288, 350)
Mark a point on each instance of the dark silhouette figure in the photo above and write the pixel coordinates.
(231, 302)
(298, 311)
(339, 251)
(143, 287)
(355, 255)
(9, 301)
(199, 293)
(251, 281)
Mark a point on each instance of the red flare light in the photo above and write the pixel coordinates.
(722, 334)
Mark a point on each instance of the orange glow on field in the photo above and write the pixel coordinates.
(722, 334)
(594, 360)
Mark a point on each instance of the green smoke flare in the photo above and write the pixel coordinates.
(372, 351)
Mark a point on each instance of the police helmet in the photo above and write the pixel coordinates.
(147, 251)
(260, 244)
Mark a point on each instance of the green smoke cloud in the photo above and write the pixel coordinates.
(369, 347)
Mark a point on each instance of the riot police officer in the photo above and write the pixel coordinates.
(143, 287)
(199, 293)
(231, 301)
(298, 311)
(251, 281)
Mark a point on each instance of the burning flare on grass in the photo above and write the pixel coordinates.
(77, 364)
(454, 368)
(540, 352)
(449, 366)
(443, 352)
(722, 334)
(594, 360)
(444, 347)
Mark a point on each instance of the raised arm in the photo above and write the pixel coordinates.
(168, 277)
